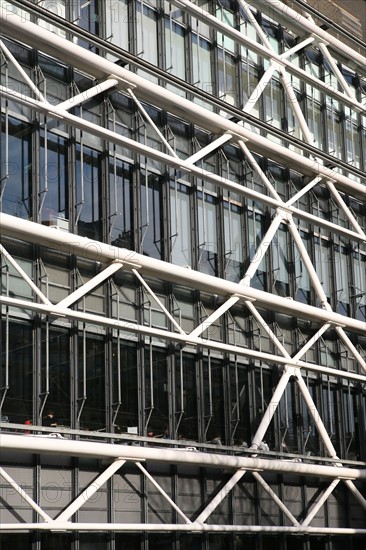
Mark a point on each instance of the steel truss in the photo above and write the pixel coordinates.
(114, 259)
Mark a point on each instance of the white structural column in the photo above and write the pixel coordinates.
(281, 387)
(90, 490)
(220, 496)
(282, 72)
(24, 495)
(275, 498)
(162, 492)
(320, 502)
(356, 493)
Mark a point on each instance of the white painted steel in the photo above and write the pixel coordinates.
(24, 275)
(88, 94)
(240, 38)
(22, 72)
(175, 337)
(191, 528)
(176, 163)
(66, 447)
(102, 68)
(94, 250)
(162, 492)
(320, 502)
(275, 498)
(307, 24)
(158, 301)
(24, 495)
(271, 408)
(92, 488)
(220, 496)
(89, 286)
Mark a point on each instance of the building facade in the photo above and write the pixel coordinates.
(183, 276)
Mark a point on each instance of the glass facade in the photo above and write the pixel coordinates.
(215, 219)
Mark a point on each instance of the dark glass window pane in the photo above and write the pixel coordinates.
(53, 181)
(16, 168)
(18, 398)
(91, 383)
(151, 217)
(89, 193)
(120, 203)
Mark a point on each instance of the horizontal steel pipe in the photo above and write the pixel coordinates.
(101, 68)
(58, 446)
(98, 251)
(56, 526)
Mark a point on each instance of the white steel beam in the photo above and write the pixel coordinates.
(67, 447)
(220, 496)
(259, 254)
(33, 232)
(89, 286)
(88, 94)
(219, 142)
(172, 527)
(204, 16)
(162, 492)
(24, 275)
(148, 119)
(180, 338)
(320, 502)
(275, 498)
(310, 27)
(92, 488)
(158, 301)
(181, 164)
(24, 495)
(21, 71)
(337, 197)
(102, 68)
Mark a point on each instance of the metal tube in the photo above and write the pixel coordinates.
(27, 79)
(90, 490)
(271, 408)
(23, 274)
(316, 417)
(183, 339)
(88, 94)
(308, 25)
(161, 490)
(320, 502)
(275, 498)
(176, 163)
(24, 495)
(190, 528)
(219, 497)
(89, 285)
(337, 197)
(356, 493)
(66, 447)
(102, 68)
(158, 301)
(33, 232)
